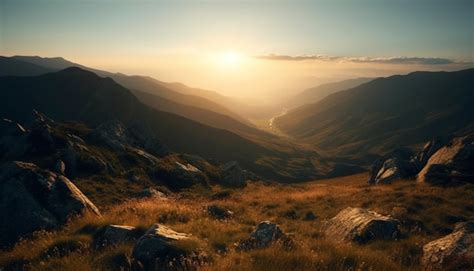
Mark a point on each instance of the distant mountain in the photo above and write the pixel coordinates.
(315, 94)
(77, 95)
(386, 113)
(11, 66)
(141, 83)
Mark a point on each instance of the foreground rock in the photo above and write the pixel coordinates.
(452, 163)
(265, 234)
(32, 199)
(232, 174)
(116, 234)
(161, 246)
(361, 226)
(452, 252)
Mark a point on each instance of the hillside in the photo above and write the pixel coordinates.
(40, 65)
(386, 113)
(315, 94)
(78, 95)
(301, 210)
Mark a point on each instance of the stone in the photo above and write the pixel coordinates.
(116, 234)
(151, 192)
(265, 234)
(451, 164)
(232, 174)
(160, 244)
(361, 226)
(33, 199)
(395, 166)
(454, 251)
(60, 167)
(219, 212)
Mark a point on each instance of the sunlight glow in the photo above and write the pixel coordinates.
(230, 57)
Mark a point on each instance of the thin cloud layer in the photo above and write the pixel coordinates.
(382, 60)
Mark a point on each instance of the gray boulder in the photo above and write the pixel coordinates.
(159, 246)
(395, 166)
(32, 199)
(361, 225)
(265, 234)
(452, 163)
(112, 134)
(116, 234)
(455, 251)
(14, 142)
(232, 174)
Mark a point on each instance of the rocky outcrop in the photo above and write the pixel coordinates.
(453, 163)
(232, 174)
(161, 245)
(265, 234)
(219, 212)
(32, 199)
(437, 163)
(178, 174)
(395, 166)
(361, 226)
(452, 252)
(116, 234)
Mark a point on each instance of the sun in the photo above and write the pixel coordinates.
(230, 57)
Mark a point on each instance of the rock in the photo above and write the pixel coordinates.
(265, 234)
(116, 234)
(421, 158)
(160, 244)
(232, 174)
(451, 163)
(455, 251)
(112, 134)
(178, 175)
(151, 192)
(360, 225)
(394, 166)
(32, 199)
(218, 212)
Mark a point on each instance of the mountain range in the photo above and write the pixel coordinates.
(386, 113)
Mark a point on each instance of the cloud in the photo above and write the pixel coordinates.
(382, 60)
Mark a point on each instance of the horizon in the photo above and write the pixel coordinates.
(249, 50)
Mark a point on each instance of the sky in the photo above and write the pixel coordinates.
(264, 49)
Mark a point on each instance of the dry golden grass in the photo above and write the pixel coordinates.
(428, 212)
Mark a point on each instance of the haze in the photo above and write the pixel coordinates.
(258, 50)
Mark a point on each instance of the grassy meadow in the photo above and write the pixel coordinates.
(426, 213)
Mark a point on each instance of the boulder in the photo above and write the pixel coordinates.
(452, 163)
(219, 212)
(265, 234)
(177, 174)
(151, 192)
(394, 166)
(32, 199)
(112, 134)
(160, 245)
(232, 174)
(454, 251)
(361, 225)
(116, 234)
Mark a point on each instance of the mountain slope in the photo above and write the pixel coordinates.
(77, 95)
(141, 83)
(315, 94)
(11, 66)
(386, 113)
